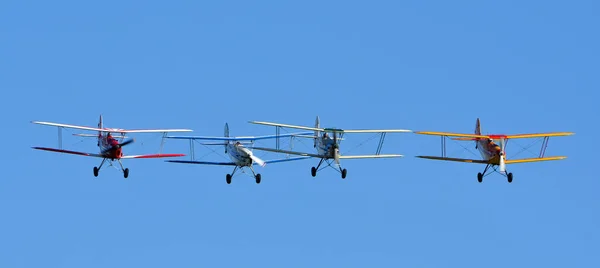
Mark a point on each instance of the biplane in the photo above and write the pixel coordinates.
(241, 156)
(111, 146)
(327, 144)
(493, 155)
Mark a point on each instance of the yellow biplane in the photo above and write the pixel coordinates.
(493, 155)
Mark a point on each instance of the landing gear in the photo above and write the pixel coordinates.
(313, 171)
(97, 169)
(479, 177)
(509, 176)
(125, 170)
(257, 177)
(228, 178)
(344, 171)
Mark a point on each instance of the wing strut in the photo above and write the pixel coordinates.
(277, 130)
(162, 142)
(544, 146)
(192, 149)
(59, 137)
(443, 146)
(381, 139)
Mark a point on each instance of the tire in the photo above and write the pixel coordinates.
(126, 173)
(479, 177)
(228, 179)
(258, 177)
(313, 171)
(344, 171)
(96, 171)
(509, 176)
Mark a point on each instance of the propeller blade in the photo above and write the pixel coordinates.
(258, 160)
(118, 146)
(126, 142)
(336, 156)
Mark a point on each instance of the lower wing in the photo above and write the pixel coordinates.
(286, 159)
(288, 152)
(151, 156)
(370, 156)
(478, 161)
(529, 160)
(203, 162)
(68, 152)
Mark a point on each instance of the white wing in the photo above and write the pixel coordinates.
(111, 129)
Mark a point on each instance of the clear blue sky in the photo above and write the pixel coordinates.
(521, 66)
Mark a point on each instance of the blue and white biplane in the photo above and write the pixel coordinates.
(241, 156)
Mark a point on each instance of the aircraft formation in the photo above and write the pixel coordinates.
(326, 143)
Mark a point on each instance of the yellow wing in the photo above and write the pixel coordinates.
(454, 159)
(539, 135)
(450, 134)
(528, 160)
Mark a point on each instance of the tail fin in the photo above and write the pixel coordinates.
(477, 132)
(226, 134)
(100, 126)
(317, 125)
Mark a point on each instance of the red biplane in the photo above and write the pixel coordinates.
(111, 146)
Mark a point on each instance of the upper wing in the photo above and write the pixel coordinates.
(68, 152)
(250, 138)
(494, 136)
(288, 152)
(330, 129)
(376, 130)
(285, 159)
(203, 162)
(285, 125)
(455, 159)
(111, 129)
(450, 134)
(370, 156)
(528, 160)
(539, 135)
(151, 156)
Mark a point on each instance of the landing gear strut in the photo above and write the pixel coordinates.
(97, 169)
(481, 175)
(125, 170)
(313, 170)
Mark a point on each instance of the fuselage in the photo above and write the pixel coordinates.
(107, 142)
(239, 154)
(325, 146)
(489, 150)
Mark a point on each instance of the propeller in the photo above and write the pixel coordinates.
(118, 146)
(258, 160)
(254, 158)
(336, 149)
(502, 156)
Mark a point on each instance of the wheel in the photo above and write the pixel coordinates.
(96, 172)
(509, 177)
(126, 173)
(228, 179)
(344, 171)
(257, 178)
(313, 171)
(479, 177)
